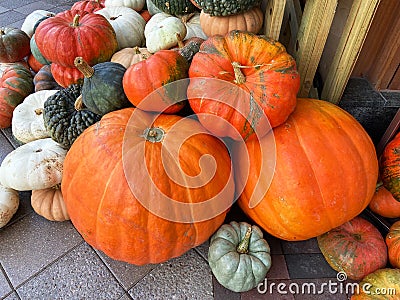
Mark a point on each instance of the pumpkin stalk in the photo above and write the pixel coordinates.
(180, 40)
(38, 111)
(154, 134)
(243, 246)
(239, 76)
(78, 103)
(83, 66)
(75, 21)
(187, 17)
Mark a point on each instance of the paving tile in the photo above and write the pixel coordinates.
(12, 4)
(60, 8)
(78, 275)
(30, 244)
(3, 9)
(274, 243)
(308, 266)
(307, 246)
(8, 134)
(127, 274)
(184, 277)
(202, 250)
(222, 293)
(278, 268)
(9, 18)
(269, 289)
(125, 297)
(5, 287)
(319, 289)
(27, 9)
(5, 147)
(12, 296)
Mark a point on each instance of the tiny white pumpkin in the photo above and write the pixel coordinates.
(127, 24)
(27, 121)
(133, 4)
(9, 203)
(33, 166)
(31, 19)
(193, 27)
(162, 31)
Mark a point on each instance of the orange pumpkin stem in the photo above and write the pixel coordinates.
(239, 76)
(83, 66)
(243, 246)
(180, 40)
(75, 22)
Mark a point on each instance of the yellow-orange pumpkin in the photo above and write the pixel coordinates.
(325, 174)
(106, 185)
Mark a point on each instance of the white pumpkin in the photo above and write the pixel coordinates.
(133, 4)
(9, 203)
(33, 166)
(193, 27)
(32, 18)
(162, 31)
(127, 23)
(27, 121)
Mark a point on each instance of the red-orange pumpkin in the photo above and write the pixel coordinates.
(261, 77)
(104, 205)
(384, 204)
(356, 248)
(74, 33)
(390, 167)
(89, 6)
(393, 244)
(318, 170)
(34, 64)
(155, 73)
(65, 76)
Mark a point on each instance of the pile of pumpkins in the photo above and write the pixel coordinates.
(119, 104)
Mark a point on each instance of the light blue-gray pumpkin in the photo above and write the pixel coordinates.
(239, 256)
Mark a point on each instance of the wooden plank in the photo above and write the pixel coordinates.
(292, 15)
(350, 44)
(273, 18)
(395, 83)
(313, 32)
(390, 132)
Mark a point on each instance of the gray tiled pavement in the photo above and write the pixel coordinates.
(40, 259)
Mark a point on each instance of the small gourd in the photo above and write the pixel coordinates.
(130, 56)
(33, 166)
(27, 121)
(64, 122)
(238, 256)
(30, 21)
(102, 90)
(49, 203)
(9, 203)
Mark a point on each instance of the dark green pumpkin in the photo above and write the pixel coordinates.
(175, 7)
(226, 8)
(62, 120)
(102, 90)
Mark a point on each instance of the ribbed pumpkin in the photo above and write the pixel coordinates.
(390, 167)
(34, 64)
(356, 248)
(393, 243)
(130, 56)
(89, 6)
(49, 203)
(260, 77)
(384, 204)
(127, 148)
(155, 73)
(14, 44)
(76, 33)
(44, 80)
(317, 171)
(65, 76)
(102, 90)
(249, 21)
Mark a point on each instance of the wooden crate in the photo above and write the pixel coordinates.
(304, 29)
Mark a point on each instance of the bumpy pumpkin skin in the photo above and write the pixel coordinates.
(225, 8)
(156, 72)
(325, 174)
(103, 208)
(393, 243)
(68, 35)
(270, 80)
(175, 7)
(383, 284)
(238, 271)
(356, 248)
(383, 203)
(390, 167)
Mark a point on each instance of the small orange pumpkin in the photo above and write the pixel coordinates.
(384, 204)
(393, 243)
(49, 203)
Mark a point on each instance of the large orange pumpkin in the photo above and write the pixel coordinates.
(325, 174)
(116, 188)
(238, 77)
